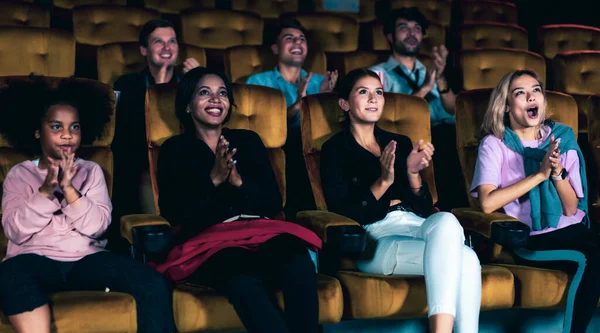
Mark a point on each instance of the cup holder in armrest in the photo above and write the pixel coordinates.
(347, 239)
(512, 235)
(152, 239)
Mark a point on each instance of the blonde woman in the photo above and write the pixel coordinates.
(533, 170)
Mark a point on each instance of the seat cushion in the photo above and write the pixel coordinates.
(200, 309)
(370, 296)
(540, 288)
(89, 311)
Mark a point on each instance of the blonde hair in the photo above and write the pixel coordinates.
(496, 118)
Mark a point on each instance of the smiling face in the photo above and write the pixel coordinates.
(526, 103)
(210, 103)
(291, 47)
(406, 38)
(60, 131)
(365, 102)
(162, 48)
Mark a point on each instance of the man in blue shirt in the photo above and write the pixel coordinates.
(291, 48)
(288, 76)
(404, 73)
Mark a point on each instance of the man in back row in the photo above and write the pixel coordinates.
(291, 49)
(159, 45)
(404, 73)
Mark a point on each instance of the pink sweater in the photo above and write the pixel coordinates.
(57, 230)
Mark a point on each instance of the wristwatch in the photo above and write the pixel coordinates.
(563, 175)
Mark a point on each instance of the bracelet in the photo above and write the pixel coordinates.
(445, 91)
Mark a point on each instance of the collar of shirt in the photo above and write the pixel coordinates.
(351, 144)
(392, 63)
(150, 79)
(278, 75)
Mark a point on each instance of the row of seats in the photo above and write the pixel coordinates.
(344, 294)
(439, 11)
(51, 52)
(102, 24)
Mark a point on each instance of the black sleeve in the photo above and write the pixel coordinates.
(259, 193)
(421, 203)
(187, 197)
(346, 195)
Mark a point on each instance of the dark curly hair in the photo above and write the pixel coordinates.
(185, 93)
(24, 103)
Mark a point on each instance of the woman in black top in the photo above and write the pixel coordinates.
(372, 176)
(211, 174)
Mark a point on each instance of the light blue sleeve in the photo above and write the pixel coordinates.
(314, 86)
(254, 79)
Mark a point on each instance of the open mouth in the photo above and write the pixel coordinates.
(296, 51)
(371, 109)
(67, 148)
(532, 111)
(214, 111)
(166, 55)
(411, 41)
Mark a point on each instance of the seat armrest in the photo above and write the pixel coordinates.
(148, 234)
(337, 231)
(502, 229)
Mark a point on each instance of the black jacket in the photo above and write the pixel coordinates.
(348, 170)
(189, 199)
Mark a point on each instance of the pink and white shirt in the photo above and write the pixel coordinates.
(499, 166)
(52, 228)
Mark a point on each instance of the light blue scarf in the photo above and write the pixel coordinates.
(546, 207)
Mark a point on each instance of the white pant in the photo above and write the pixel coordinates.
(406, 244)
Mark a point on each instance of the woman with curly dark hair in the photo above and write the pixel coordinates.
(56, 208)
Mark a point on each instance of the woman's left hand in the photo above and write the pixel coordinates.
(419, 158)
(234, 176)
(555, 159)
(68, 169)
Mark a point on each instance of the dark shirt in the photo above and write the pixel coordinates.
(348, 171)
(130, 128)
(187, 195)
(129, 146)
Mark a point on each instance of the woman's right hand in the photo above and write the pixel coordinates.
(387, 159)
(546, 166)
(222, 167)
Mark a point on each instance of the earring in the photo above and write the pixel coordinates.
(188, 110)
(37, 135)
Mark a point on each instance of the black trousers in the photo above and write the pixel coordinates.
(249, 279)
(27, 279)
(449, 179)
(579, 238)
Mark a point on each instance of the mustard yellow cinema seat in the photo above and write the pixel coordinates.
(493, 35)
(483, 68)
(577, 73)
(23, 14)
(96, 25)
(489, 11)
(267, 9)
(43, 51)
